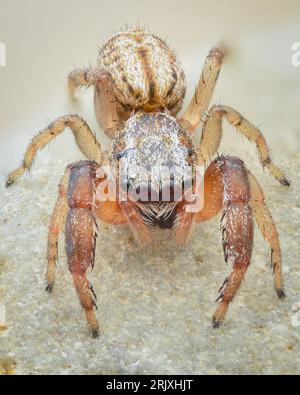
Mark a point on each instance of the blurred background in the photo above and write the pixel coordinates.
(45, 40)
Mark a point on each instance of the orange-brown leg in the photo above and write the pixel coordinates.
(81, 236)
(107, 208)
(210, 198)
(213, 192)
(227, 186)
(81, 197)
(126, 212)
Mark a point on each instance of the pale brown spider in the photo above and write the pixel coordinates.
(139, 88)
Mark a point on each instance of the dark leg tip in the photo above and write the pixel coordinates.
(8, 183)
(216, 323)
(280, 293)
(95, 333)
(49, 288)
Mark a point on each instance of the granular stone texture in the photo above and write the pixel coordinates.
(154, 305)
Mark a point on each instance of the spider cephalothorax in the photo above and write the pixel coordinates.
(157, 152)
(150, 179)
(154, 163)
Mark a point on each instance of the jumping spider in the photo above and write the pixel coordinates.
(139, 88)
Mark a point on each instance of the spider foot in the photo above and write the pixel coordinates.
(286, 182)
(8, 183)
(280, 293)
(49, 288)
(96, 333)
(217, 323)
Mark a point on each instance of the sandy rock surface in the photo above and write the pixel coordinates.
(155, 305)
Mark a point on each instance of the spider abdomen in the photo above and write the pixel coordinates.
(145, 71)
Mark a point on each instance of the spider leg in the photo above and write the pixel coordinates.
(81, 233)
(56, 226)
(204, 91)
(105, 103)
(213, 192)
(80, 78)
(228, 178)
(84, 137)
(268, 229)
(212, 134)
(104, 97)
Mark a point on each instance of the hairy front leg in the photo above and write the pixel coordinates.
(204, 91)
(227, 186)
(237, 231)
(78, 203)
(268, 229)
(212, 134)
(85, 139)
(80, 247)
